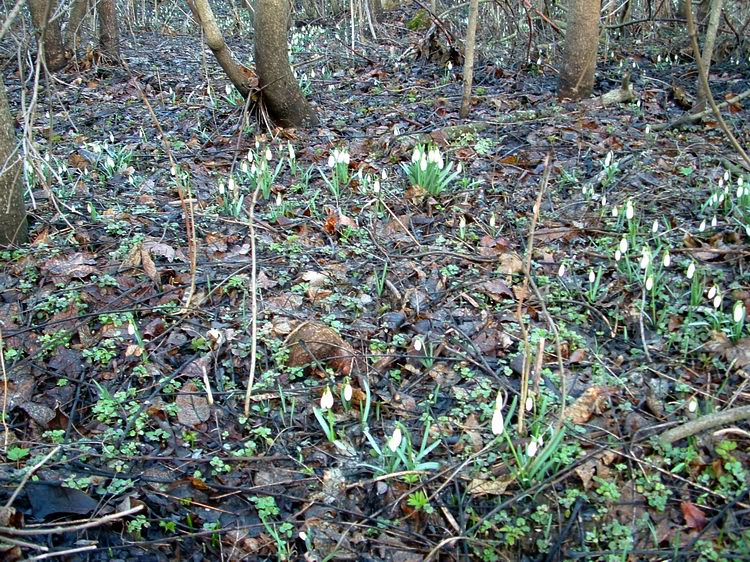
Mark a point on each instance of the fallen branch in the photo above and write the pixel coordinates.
(705, 423)
(689, 118)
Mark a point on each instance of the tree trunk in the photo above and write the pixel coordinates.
(237, 74)
(49, 34)
(78, 12)
(579, 52)
(279, 89)
(471, 34)
(109, 37)
(708, 49)
(12, 210)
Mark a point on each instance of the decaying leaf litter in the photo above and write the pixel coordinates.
(408, 298)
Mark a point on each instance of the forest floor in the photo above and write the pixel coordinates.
(125, 388)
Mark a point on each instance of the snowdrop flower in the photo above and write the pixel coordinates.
(416, 155)
(348, 392)
(738, 312)
(395, 440)
(221, 188)
(726, 175)
(649, 283)
(383, 174)
(702, 226)
(493, 220)
(244, 167)
(279, 200)
(648, 129)
(459, 168)
(618, 255)
(692, 406)
(423, 163)
(624, 245)
(250, 155)
(604, 200)
(615, 212)
(691, 270)
(712, 292)
(532, 448)
(232, 185)
(629, 211)
(740, 191)
(450, 65)
(331, 161)
(418, 344)
(655, 227)
(714, 222)
(292, 155)
(326, 401)
(717, 300)
(592, 276)
(529, 404)
(269, 154)
(376, 186)
(253, 169)
(498, 421)
(645, 257)
(608, 159)
(666, 260)
(561, 271)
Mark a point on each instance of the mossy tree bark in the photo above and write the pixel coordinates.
(47, 25)
(579, 52)
(78, 11)
(714, 15)
(238, 75)
(471, 34)
(12, 210)
(109, 35)
(279, 89)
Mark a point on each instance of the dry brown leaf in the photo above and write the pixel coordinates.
(192, 407)
(587, 404)
(510, 263)
(694, 516)
(314, 342)
(149, 266)
(484, 487)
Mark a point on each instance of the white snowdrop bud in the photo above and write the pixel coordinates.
(561, 270)
(717, 301)
(618, 255)
(326, 401)
(702, 226)
(624, 245)
(655, 227)
(692, 405)
(615, 212)
(532, 448)
(348, 392)
(691, 270)
(714, 222)
(649, 283)
(712, 292)
(395, 440)
(666, 260)
(529, 404)
(629, 210)
(738, 312)
(498, 422)
(592, 276)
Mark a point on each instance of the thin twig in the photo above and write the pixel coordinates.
(688, 6)
(69, 529)
(519, 307)
(704, 423)
(254, 303)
